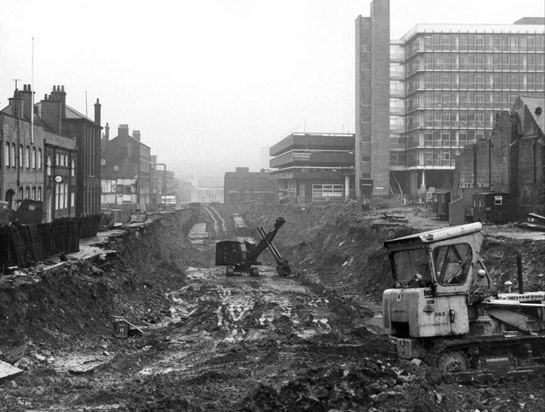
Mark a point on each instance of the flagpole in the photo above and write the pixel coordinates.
(32, 97)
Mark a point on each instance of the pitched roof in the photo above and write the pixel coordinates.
(533, 103)
(71, 113)
(10, 110)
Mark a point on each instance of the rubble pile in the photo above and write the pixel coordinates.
(207, 342)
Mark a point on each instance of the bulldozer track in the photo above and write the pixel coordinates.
(478, 350)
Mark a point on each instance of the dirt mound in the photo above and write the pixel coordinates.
(213, 343)
(66, 303)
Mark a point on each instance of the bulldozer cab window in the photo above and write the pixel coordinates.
(452, 263)
(408, 264)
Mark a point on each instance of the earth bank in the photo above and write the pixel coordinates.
(215, 344)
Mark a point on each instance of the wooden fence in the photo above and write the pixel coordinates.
(25, 245)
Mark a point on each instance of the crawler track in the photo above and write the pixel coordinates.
(489, 359)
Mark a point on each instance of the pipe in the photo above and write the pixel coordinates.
(519, 272)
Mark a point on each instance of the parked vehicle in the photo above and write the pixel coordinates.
(444, 308)
(28, 212)
(240, 256)
(4, 213)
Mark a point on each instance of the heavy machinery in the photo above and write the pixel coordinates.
(445, 308)
(240, 256)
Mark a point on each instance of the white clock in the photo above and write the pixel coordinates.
(58, 179)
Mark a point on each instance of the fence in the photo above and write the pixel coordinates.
(23, 245)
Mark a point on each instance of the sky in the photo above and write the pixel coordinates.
(210, 83)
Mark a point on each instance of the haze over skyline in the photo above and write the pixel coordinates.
(209, 83)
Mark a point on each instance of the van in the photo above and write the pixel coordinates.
(28, 212)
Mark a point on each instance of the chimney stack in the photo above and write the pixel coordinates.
(27, 94)
(58, 94)
(97, 112)
(51, 112)
(136, 134)
(123, 130)
(17, 104)
(106, 137)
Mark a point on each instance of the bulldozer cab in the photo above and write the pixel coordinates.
(437, 275)
(446, 260)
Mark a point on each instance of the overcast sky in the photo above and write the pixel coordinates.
(209, 83)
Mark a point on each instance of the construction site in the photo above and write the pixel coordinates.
(183, 312)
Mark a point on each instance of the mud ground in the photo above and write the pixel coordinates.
(206, 342)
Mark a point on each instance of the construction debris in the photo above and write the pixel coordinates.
(123, 328)
(8, 371)
(533, 221)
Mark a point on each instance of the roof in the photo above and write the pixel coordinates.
(472, 28)
(71, 113)
(10, 112)
(128, 136)
(532, 103)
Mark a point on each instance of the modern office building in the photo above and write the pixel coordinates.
(313, 167)
(446, 82)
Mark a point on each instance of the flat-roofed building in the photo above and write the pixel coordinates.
(313, 167)
(446, 82)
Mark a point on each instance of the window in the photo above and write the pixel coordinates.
(39, 160)
(409, 266)
(33, 159)
(323, 192)
(61, 190)
(27, 157)
(7, 161)
(452, 263)
(20, 159)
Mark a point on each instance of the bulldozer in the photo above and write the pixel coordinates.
(240, 256)
(445, 308)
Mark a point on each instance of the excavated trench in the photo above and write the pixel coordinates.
(205, 342)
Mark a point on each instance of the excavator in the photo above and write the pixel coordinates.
(240, 256)
(444, 308)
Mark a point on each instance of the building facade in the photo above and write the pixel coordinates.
(446, 84)
(125, 170)
(163, 184)
(313, 167)
(38, 162)
(242, 186)
(87, 133)
(372, 144)
(511, 161)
